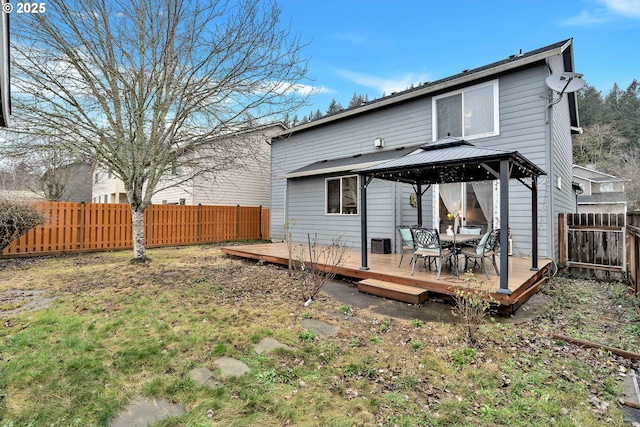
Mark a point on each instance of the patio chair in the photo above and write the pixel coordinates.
(466, 229)
(428, 247)
(470, 229)
(488, 247)
(407, 240)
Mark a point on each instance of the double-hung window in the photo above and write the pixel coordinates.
(342, 195)
(468, 113)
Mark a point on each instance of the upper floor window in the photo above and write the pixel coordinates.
(606, 187)
(176, 168)
(468, 113)
(342, 195)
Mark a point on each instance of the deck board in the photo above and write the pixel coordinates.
(523, 282)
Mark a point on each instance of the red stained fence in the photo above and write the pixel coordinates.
(82, 227)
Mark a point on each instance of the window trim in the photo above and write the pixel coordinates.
(496, 110)
(326, 195)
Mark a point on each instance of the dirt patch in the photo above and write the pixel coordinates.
(16, 301)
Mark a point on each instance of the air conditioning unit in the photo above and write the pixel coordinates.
(378, 142)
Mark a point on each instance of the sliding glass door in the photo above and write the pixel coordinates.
(466, 203)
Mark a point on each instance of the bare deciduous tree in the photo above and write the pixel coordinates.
(596, 143)
(145, 86)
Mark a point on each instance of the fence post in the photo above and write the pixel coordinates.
(81, 225)
(237, 222)
(260, 229)
(199, 222)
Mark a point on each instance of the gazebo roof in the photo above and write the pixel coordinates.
(451, 160)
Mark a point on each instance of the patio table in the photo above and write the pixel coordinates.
(456, 241)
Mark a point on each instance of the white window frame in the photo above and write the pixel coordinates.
(326, 195)
(496, 110)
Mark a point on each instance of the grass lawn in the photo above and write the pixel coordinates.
(117, 330)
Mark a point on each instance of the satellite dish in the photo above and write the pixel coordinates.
(565, 82)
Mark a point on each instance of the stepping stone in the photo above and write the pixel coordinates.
(343, 317)
(270, 344)
(231, 367)
(319, 327)
(203, 377)
(142, 412)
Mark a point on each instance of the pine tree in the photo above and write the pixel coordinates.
(334, 107)
(589, 105)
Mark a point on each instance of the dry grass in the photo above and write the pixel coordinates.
(116, 330)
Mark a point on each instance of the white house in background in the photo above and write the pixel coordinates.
(107, 188)
(248, 185)
(599, 192)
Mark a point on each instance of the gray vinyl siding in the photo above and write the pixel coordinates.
(522, 127)
(401, 126)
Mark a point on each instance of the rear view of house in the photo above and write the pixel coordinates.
(514, 105)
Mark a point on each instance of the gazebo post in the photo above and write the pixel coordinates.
(504, 227)
(364, 182)
(534, 224)
(419, 201)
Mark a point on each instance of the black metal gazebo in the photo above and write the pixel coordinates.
(452, 160)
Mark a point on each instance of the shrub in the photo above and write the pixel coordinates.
(472, 303)
(16, 218)
(320, 267)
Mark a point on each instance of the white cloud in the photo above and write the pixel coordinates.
(384, 85)
(628, 8)
(610, 9)
(364, 39)
(584, 18)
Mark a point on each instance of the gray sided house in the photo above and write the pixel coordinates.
(598, 192)
(506, 107)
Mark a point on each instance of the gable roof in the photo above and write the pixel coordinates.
(451, 160)
(349, 163)
(511, 63)
(589, 174)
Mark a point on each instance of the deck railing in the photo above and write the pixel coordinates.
(82, 227)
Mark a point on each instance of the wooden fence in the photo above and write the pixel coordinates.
(83, 227)
(633, 249)
(593, 244)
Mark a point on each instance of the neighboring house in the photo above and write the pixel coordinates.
(247, 185)
(506, 105)
(107, 188)
(69, 183)
(599, 192)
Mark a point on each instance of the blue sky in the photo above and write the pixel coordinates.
(381, 46)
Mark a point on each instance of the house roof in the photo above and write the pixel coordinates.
(448, 83)
(349, 163)
(608, 198)
(589, 174)
(451, 160)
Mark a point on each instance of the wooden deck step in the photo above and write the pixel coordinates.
(395, 291)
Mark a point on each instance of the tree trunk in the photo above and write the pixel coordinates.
(137, 224)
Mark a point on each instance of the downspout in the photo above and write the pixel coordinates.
(550, 195)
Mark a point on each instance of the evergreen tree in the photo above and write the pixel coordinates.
(358, 100)
(589, 105)
(627, 120)
(334, 107)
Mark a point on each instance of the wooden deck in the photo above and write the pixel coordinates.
(523, 283)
